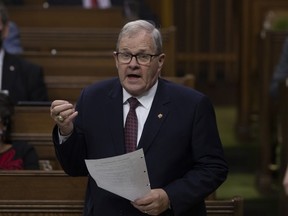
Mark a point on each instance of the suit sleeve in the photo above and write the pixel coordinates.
(209, 168)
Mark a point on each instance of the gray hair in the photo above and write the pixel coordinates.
(135, 26)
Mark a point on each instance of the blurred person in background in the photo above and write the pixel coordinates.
(21, 79)
(17, 155)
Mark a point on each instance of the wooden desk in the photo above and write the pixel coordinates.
(41, 185)
(41, 207)
(32, 120)
(229, 207)
(34, 125)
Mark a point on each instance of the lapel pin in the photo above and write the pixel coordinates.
(160, 115)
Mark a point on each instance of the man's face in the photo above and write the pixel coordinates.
(134, 77)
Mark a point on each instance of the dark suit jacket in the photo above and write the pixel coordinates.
(183, 151)
(23, 80)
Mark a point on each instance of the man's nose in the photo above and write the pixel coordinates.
(134, 60)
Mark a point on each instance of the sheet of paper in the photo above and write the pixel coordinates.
(125, 175)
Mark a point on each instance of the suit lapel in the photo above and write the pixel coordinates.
(157, 115)
(114, 116)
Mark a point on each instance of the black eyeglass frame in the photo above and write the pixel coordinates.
(136, 57)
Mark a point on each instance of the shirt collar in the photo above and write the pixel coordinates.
(145, 99)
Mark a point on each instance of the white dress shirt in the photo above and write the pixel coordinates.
(142, 110)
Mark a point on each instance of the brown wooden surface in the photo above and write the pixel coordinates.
(34, 125)
(41, 185)
(232, 207)
(41, 207)
(37, 16)
(65, 39)
(75, 64)
(229, 207)
(32, 120)
(89, 51)
(69, 87)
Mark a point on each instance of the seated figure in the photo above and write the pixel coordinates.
(17, 155)
(21, 79)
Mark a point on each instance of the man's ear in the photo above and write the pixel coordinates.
(161, 59)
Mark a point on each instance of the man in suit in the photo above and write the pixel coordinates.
(176, 130)
(22, 80)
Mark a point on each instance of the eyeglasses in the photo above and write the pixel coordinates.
(142, 59)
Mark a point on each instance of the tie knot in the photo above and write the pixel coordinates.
(133, 102)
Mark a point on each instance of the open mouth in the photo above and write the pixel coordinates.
(133, 76)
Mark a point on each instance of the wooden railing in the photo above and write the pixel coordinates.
(229, 207)
(41, 185)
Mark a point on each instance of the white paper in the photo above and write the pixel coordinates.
(125, 175)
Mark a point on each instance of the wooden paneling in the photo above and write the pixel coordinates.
(207, 43)
(66, 17)
(74, 63)
(89, 51)
(58, 39)
(32, 120)
(41, 185)
(41, 207)
(228, 207)
(232, 207)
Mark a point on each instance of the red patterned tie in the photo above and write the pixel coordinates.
(131, 126)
